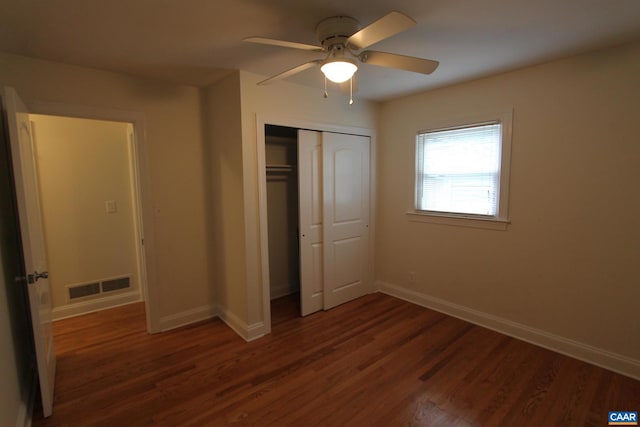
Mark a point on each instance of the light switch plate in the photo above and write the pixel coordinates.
(110, 206)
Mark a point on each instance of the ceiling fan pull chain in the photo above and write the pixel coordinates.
(351, 91)
(325, 95)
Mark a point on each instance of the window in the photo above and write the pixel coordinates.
(462, 170)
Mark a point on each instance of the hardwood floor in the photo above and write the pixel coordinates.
(376, 361)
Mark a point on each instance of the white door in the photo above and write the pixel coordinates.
(310, 222)
(33, 248)
(345, 169)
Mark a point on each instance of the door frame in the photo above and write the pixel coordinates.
(142, 193)
(261, 121)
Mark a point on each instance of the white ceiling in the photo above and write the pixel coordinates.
(197, 42)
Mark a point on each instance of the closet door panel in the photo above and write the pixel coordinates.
(346, 217)
(311, 214)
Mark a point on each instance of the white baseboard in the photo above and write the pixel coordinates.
(187, 317)
(615, 362)
(89, 306)
(255, 331)
(246, 332)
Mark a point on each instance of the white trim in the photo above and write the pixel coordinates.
(597, 356)
(136, 203)
(142, 183)
(462, 221)
(99, 304)
(261, 121)
(240, 327)
(255, 331)
(505, 117)
(263, 223)
(187, 317)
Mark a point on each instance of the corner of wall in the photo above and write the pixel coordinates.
(224, 189)
(187, 317)
(245, 331)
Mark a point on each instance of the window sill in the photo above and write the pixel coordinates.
(460, 221)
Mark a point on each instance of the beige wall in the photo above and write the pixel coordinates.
(569, 262)
(81, 165)
(225, 216)
(230, 108)
(292, 102)
(175, 166)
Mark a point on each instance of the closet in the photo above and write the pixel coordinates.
(318, 210)
(281, 156)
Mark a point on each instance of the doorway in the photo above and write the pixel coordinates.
(25, 174)
(141, 181)
(89, 206)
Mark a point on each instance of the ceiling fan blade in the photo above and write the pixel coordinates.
(283, 43)
(291, 72)
(390, 24)
(401, 62)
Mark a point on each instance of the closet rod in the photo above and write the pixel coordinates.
(280, 168)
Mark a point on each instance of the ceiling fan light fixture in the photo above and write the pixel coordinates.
(339, 70)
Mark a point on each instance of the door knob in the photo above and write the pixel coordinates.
(43, 275)
(32, 278)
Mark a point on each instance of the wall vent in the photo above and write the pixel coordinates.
(85, 290)
(116, 284)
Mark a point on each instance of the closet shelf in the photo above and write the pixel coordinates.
(280, 168)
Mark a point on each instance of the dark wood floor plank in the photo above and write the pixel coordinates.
(376, 361)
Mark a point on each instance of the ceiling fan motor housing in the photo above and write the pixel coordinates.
(333, 32)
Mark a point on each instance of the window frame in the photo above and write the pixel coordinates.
(501, 219)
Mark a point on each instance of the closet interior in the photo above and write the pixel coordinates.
(281, 155)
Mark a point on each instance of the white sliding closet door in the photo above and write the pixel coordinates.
(346, 217)
(310, 212)
(334, 218)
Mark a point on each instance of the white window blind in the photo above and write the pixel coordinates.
(458, 170)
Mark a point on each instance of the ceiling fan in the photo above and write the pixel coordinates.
(344, 43)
